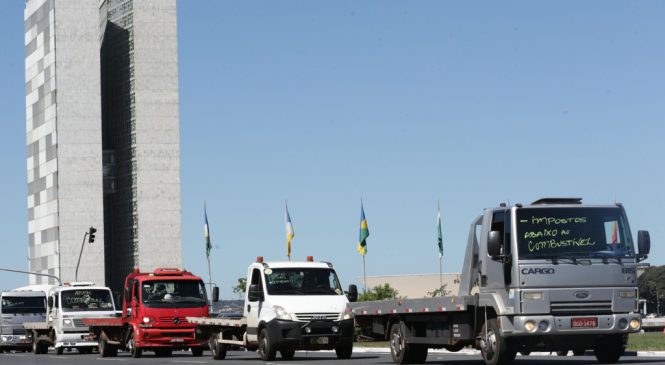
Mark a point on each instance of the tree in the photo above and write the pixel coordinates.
(241, 286)
(650, 284)
(379, 293)
(439, 292)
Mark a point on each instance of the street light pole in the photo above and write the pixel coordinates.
(32, 273)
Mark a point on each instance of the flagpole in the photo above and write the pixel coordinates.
(208, 256)
(364, 276)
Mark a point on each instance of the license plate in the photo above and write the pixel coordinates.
(177, 339)
(590, 322)
(322, 340)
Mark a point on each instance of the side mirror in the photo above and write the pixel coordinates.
(50, 302)
(643, 244)
(254, 293)
(494, 242)
(352, 294)
(215, 294)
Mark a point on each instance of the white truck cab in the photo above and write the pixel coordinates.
(68, 305)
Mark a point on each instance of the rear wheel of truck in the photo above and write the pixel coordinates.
(59, 350)
(197, 351)
(287, 354)
(493, 346)
(344, 351)
(38, 347)
(106, 350)
(403, 352)
(218, 349)
(609, 349)
(267, 350)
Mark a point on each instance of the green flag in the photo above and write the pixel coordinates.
(440, 236)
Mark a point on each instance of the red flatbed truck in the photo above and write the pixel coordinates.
(154, 308)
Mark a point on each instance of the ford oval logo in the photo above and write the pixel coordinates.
(581, 294)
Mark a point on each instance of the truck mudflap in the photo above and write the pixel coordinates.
(169, 337)
(314, 335)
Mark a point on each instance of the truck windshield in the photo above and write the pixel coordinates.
(174, 293)
(23, 305)
(573, 233)
(77, 300)
(301, 281)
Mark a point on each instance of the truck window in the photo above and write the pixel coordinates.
(498, 224)
(17, 304)
(302, 281)
(173, 293)
(256, 278)
(576, 232)
(76, 300)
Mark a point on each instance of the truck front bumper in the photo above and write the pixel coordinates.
(314, 335)
(10, 342)
(174, 338)
(79, 339)
(563, 325)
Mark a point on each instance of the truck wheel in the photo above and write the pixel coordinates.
(39, 348)
(609, 349)
(218, 349)
(267, 350)
(493, 347)
(59, 350)
(287, 354)
(197, 351)
(136, 352)
(403, 352)
(106, 350)
(344, 351)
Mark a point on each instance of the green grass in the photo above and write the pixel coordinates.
(649, 341)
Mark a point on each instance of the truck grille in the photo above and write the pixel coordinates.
(173, 320)
(317, 316)
(576, 308)
(78, 322)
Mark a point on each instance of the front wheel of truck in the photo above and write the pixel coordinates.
(344, 351)
(218, 349)
(403, 352)
(267, 350)
(493, 346)
(107, 350)
(135, 351)
(609, 349)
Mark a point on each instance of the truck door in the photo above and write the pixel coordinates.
(54, 311)
(253, 308)
(493, 275)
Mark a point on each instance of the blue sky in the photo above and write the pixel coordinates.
(402, 103)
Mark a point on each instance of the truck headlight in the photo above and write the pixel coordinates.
(530, 326)
(281, 313)
(634, 324)
(4, 338)
(348, 314)
(627, 294)
(533, 295)
(147, 322)
(68, 322)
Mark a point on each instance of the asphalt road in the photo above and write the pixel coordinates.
(302, 358)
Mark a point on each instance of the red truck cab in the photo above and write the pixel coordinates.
(154, 308)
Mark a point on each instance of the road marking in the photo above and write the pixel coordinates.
(58, 357)
(190, 361)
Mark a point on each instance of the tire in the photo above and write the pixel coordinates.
(609, 349)
(494, 348)
(38, 347)
(136, 352)
(418, 354)
(267, 350)
(106, 350)
(454, 348)
(562, 353)
(218, 349)
(59, 350)
(287, 354)
(403, 352)
(197, 351)
(344, 351)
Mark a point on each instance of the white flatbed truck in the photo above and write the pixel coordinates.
(289, 306)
